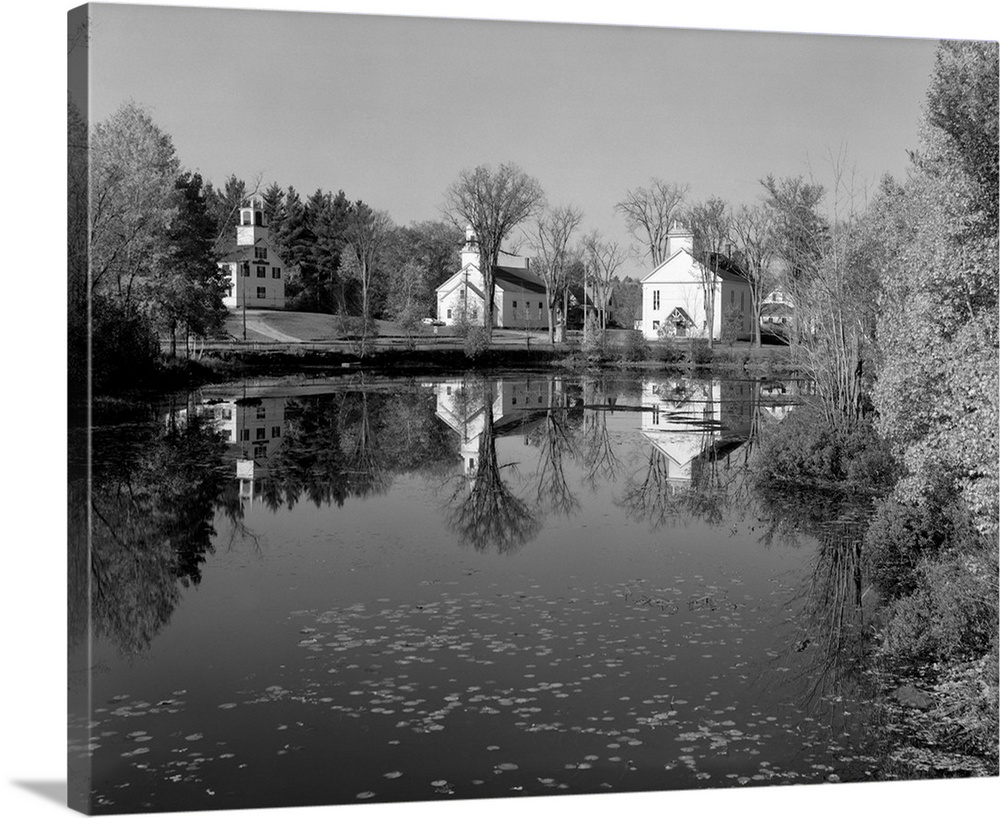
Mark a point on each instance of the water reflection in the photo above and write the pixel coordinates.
(510, 452)
(659, 618)
(153, 501)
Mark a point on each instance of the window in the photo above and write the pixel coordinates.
(244, 434)
(656, 325)
(261, 413)
(261, 433)
(246, 217)
(732, 296)
(260, 252)
(246, 268)
(262, 292)
(261, 272)
(259, 451)
(656, 299)
(741, 300)
(275, 431)
(449, 312)
(275, 272)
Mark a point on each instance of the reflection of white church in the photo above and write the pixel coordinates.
(254, 430)
(462, 406)
(682, 419)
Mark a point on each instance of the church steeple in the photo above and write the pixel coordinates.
(252, 224)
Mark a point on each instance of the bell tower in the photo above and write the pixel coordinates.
(252, 225)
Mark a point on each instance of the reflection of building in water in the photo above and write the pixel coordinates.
(778, 398)
(681, 418)
(254, 429)
(461, 404)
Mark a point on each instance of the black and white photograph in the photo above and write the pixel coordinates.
(480, 409)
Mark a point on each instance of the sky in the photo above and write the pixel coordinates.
(391, 109)
(34, 68)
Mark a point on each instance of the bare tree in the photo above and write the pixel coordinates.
(648, 212)
(602, 260)
(550, 241)
(753, 230)
(492, 203)
(365, 234)
(710, 223)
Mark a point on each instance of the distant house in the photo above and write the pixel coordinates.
(519, 299)
(776, 311)
(256, 275)
(673, 293)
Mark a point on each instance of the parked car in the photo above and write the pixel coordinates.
(434, 322)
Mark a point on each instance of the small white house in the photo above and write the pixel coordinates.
(673, 293)
(518, 300)
(255, 273)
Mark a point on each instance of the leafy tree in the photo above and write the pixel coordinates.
(961, 104)
(432, 247)
(133, 168)
(295, 240)
(492, 203)
(937, 388)
(627, 296)
(273, 200)
(189, 289)
(800, 231)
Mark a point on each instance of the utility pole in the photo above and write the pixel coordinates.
(245, 270)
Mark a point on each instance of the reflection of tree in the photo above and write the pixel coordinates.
(352, 443)
(596, 446)
(152, 509)
(831, 630)
(484, 512)
(555, 441)
(364, 470)
(652, 496)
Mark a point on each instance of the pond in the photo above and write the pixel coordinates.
(378, 589)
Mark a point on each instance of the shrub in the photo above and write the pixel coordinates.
(667, 350)
(700, 351)
(804, 448)
(760, 363)
(898, 537)
(595, 342)
(633, 346)
(477, 341)
(949, 615)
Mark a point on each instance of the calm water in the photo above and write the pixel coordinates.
(374, 589)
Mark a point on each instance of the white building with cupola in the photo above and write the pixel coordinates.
(674, 293)
(518, 299)
(255, 272)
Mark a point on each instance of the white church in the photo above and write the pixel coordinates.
(673, 293)
(255, 273)
(519, 297)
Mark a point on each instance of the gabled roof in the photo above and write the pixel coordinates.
(518, 277)
(724, 267)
